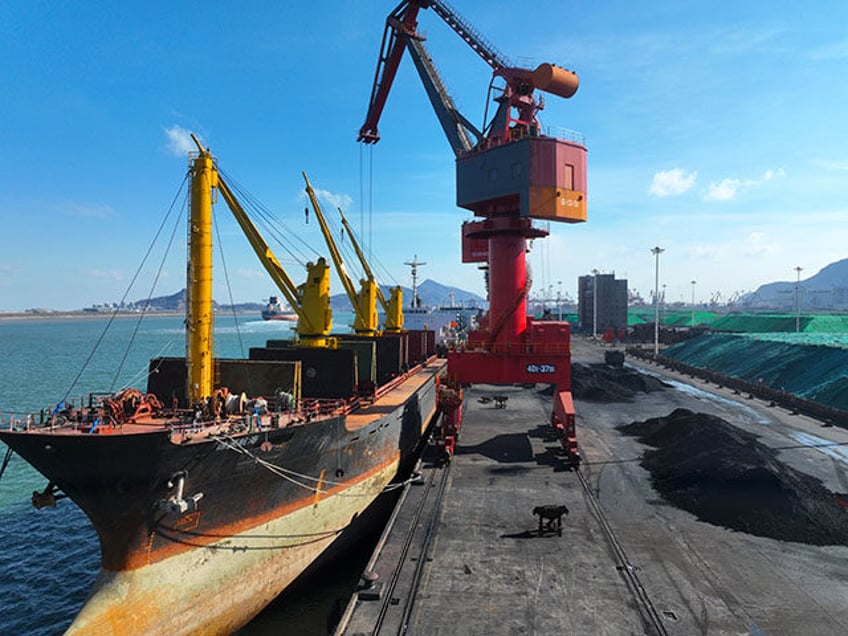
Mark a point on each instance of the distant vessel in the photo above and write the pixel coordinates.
(451, 322)
(211, 492)
(274, 311)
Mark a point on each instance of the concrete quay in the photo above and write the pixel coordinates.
(464, 555)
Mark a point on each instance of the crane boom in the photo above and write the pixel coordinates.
(401, 31)
(475, 40)
(393, 307)
(455, 126)
(365, 303)
(404, 19)
(310, 301)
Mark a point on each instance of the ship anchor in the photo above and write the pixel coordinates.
(176, 503)
(47, 497)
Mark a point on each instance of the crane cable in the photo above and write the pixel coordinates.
(126, 293)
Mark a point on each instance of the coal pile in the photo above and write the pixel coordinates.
(604, 383)
(724, 476)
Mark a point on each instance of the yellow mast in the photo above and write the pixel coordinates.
(310, 301)
(199, 320)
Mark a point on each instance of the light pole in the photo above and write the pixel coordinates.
(798, 300)
(656, 251)
(595, 304)
(693, 303)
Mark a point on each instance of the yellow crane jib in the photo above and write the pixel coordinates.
(310, 301)
(394, 307)
(364, 303)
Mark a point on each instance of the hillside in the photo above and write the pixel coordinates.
(430, 292)
(827, 289)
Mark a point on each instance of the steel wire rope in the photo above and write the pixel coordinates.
(230, 295)
(148, 372)
(361, 189)
(370, 201)
(381, 272)
(149, 296)
(293, 476)
(126, 293)
(272, 224)
(375, 262)
(264, 219)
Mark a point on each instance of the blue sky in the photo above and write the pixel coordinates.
(716, 130)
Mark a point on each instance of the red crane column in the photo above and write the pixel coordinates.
(507, 298)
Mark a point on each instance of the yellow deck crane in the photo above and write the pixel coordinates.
(311, 300)
(365, 302)
(393, 307)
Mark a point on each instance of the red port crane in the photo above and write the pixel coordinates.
(508, 173)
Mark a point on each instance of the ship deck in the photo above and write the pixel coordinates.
(358, 415)
(398, 392)
(463, 552)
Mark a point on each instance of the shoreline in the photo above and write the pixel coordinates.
(47, 315)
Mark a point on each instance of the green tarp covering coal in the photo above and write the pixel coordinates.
(813, 371)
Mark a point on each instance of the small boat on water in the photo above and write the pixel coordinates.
(216, 486)
(274, 310)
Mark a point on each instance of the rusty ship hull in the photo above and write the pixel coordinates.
(271, 501)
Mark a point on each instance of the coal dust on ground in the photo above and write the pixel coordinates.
(604, 383)
(724, 476)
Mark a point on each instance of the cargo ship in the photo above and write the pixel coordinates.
(212, 490)
(274, 311)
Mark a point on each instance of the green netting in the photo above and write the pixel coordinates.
(827, 324)
(758, 323)
(670, 317)
(765, 323)
(815, 372)
(684, 319)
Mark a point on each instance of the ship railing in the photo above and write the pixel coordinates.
(541, 348)
(565, 133)
(317, 407)
(57, 417)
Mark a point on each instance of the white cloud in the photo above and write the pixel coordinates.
(106, 274)
(724, 190)
(343, 201)
(727, 189)
(672, 182)
(179, 141)
(252, 273)
(89, 211)
(757, 245)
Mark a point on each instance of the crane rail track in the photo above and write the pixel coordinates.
(640, 595)
(426, 517)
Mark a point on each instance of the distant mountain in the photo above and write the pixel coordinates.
(828, 289)
(177, 302)
(430, 292)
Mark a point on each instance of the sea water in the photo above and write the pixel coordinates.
(50, 557)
